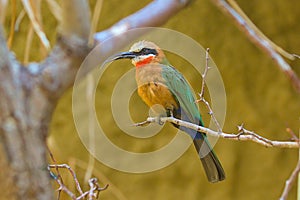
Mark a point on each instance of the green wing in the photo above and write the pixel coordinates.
(182, 91)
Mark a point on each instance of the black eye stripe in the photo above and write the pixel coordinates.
(146, 51)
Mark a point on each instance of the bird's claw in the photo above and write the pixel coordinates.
(159, 121)
(170, 113)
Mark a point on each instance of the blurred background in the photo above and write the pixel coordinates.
(258, 95)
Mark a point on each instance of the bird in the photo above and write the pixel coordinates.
(160, 83)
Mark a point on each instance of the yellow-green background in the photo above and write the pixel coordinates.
(258, 95)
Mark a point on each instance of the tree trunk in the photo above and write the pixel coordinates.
(24, 119)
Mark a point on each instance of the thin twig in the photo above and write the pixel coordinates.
(12, 23)
(204, 73)
(55, 9)
(293, 135)
(94, 190)
(91, 126)
(28, 44)
(19, 19)
(36, 23)
(296, 56)
(290, 182)
(201, 95)
(72, 173)
(242, 135)
(115, 190)
(92, 193)
(63, 187)
(57, 176)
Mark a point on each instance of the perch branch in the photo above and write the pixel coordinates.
(290, 182)
(242, 135)
(260, 40)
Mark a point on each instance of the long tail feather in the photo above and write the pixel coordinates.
(211, 164)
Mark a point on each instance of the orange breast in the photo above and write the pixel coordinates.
(156, 93)
(152, 88)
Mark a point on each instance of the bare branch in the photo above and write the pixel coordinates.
(261, 41)
(12, 23)
(292, 133)
(243, 135)
(4, 53)
(63, 187)
(201, 95)
(92, 193)
(75, 19)
(65, 166)
(154, 14)
(55, 9)
(59, 69)
(290, 182)
(57, 176)
(33, 15)
(3, 6)
(95, 19)
(91, 126)
(115, 190)
(296, 56)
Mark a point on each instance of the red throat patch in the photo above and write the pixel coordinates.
(144, 62)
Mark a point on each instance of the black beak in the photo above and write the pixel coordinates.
(123, 55)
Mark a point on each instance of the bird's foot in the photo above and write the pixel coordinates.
(170, 113)
(158, 120)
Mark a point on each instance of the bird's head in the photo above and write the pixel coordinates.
(143, 53)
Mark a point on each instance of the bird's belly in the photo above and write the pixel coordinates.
(156, 93)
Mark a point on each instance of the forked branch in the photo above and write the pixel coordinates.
(92, 193)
